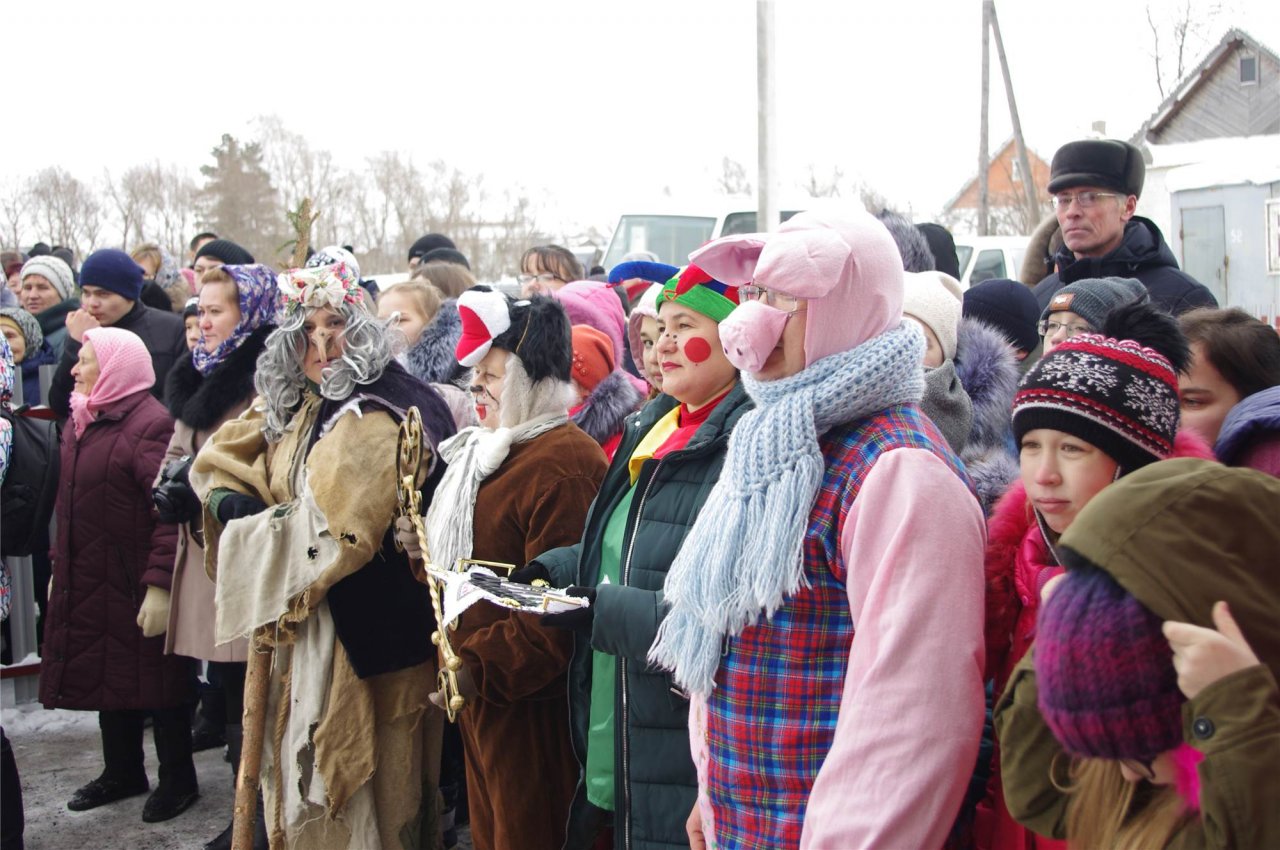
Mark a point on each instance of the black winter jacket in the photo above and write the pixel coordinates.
(655, 782)
(163, 334)
(1142, 254)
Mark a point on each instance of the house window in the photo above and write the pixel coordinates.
(1248, 70)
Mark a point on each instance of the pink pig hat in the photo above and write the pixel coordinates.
(844, 263)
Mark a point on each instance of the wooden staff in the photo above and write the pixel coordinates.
(248, 781)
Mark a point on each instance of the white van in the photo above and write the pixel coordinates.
(984, 257)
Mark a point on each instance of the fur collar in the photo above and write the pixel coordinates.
(432, 359)
(603, 411)
(202, 401)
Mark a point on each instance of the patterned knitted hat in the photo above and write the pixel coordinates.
(32, 335)
(53, 270)
(699, 291)
(1107, 687)
(1117, 394)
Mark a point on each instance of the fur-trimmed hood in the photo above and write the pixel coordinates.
(603, 411)
(432, 358)
(989, 373)
(202, 401)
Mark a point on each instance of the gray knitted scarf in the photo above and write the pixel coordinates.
(744, 555)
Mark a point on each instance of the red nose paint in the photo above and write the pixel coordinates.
(698, 350)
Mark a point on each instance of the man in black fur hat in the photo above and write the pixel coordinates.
(1095, 184)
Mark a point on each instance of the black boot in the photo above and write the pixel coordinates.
(235, 741)
(178, 789)
(123, 774)
(103, 790)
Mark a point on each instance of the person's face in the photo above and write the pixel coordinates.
(326, 341)
(85, 372)
(1061, 473)
(537, 279)
(1160, 771)
(649, 339)
(1061, 326)
(104, 305)
(487, 381)
(933, 354)
(1205, 395)
(38, 294)
(694, 368)
(410, 322)
(1097, 230)
(17, 342)
(192, 324)
(219, 313)
(14, 281)
(202, 265)
(149, 266)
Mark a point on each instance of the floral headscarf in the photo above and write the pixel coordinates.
(257, 287)
(6, 393)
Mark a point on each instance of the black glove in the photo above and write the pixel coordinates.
(174, 499)
(529, 573)
(576, 619)
(237, 506)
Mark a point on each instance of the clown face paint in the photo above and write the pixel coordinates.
(487, 381)
(326, 341)
(694, 368)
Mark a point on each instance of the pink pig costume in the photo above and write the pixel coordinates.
(826, 616)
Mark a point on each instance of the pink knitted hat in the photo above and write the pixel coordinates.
(124, 366)
(847, 266)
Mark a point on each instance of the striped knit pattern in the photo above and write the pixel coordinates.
(772, 715)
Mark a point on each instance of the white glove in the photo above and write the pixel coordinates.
(407, 536)
(153, 617)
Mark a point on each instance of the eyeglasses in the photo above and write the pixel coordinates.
(545, 277)
(777, 300)
(1049, 328)
(1085, 200)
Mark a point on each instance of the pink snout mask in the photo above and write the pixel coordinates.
(751, 333)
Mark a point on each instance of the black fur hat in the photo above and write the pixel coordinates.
(1109, 163)
(536, 330)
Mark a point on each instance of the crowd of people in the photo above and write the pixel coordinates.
(865, 558)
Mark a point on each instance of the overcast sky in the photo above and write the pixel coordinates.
(590, 106)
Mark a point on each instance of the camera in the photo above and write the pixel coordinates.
(174, 499)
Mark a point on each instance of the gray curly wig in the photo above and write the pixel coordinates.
(280, 378)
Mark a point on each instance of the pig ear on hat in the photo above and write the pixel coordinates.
(485, 316)
(804, 263)
(731, 259)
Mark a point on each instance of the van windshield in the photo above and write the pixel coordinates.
(671, 237)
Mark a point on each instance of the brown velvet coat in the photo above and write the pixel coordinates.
(521, 772)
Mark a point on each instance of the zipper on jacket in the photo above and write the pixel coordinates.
(625, 738)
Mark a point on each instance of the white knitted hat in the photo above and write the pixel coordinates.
(934, 299)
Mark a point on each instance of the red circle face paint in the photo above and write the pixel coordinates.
(698, 350)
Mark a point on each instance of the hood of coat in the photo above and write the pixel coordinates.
(988, 371)
(431, 359)
(1252, 417)
(1143, 247)
(202, 401)
(1182, 534)
(603, 411)
(947, 404)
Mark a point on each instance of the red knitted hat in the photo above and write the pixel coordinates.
(592, 356)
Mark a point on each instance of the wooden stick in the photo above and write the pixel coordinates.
(248, 782)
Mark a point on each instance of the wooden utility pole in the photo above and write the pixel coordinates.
(767, 161)
(1028, 181)
(984, 162)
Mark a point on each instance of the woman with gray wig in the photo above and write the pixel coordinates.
(299, 498)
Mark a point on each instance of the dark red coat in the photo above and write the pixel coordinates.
(108, 550)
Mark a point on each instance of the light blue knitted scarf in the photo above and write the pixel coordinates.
(744, 555)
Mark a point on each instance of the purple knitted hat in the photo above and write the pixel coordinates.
(1105, 672)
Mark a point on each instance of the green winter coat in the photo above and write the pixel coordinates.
(1160, 533)
(655, 781)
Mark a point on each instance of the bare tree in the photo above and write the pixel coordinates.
(827, 186)
(15, 205)
(66, 210)
(128, 197)
(733, 178)
(1179, 38)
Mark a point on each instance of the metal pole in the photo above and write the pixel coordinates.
(984, 162)
(1028, 180)
(767, 165)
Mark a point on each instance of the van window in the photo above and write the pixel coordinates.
(745, 222)
(990, 263)
(963, 253)
(671, 237)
